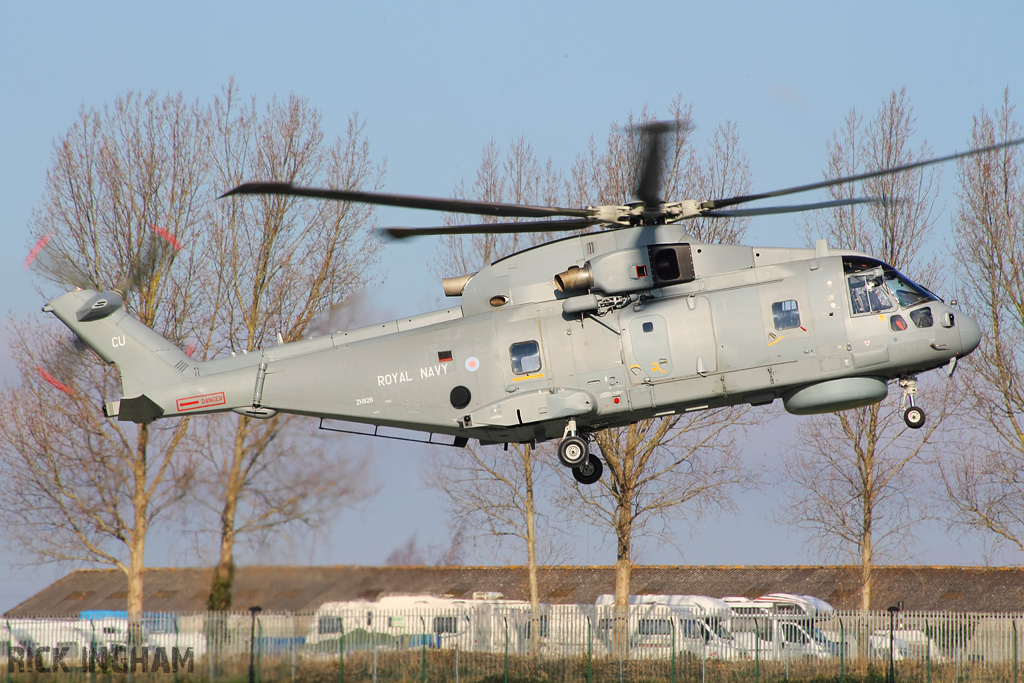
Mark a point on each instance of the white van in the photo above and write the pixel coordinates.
(695, 624)
(784, 625)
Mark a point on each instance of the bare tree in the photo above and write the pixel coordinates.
(282, 262)
(856, 473)
(131, 200)
(983, 480)
(489, 489)
(681, 462)
(81, 488)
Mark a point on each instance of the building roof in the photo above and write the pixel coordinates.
(275, 588)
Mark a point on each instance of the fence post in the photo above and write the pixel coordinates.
(506, 648)
(211, 640)
(259, 648)
(254, 610)
(92, 653)
(423, 659)
(341, 653)
(842, 652)
(928, 652)
(175, 645)
(1014, 651)
(757, 650)
(9, 644)
(672, 624)
(590, 649)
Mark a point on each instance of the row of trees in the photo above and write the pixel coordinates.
(82, 488)
(228, 276)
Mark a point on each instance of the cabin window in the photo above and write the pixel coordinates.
(525, 357)
(791, 633)
(654, 627)
(922, 317)
(330, 625)
(648, 327)
(446, 625)
(786, 314)
(897, 323)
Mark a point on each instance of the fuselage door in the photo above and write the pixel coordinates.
(652, 352)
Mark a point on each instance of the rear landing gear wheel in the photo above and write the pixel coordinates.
(573, 451)
(914, 417)
(589, 472)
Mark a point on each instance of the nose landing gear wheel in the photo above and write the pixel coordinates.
(914, 417)
(573, 451)
(589, 472)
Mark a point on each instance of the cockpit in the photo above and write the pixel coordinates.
(877, 288)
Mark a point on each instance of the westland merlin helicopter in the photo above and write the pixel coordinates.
(596, 330)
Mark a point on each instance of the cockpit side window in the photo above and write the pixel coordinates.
(890, 287)
(868, 294)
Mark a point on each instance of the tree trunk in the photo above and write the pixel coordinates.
(531, 551)
(224, 574)
(137, 541)
(623, 570)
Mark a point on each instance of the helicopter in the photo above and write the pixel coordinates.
(600, 329)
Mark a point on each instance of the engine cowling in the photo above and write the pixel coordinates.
(615, 273)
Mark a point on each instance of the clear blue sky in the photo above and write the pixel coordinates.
(436, 81)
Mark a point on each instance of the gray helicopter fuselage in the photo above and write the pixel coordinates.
(659, 324)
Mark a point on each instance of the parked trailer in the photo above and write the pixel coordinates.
(485, 623)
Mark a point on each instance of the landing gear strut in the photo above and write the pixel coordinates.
(574, 452)
(913, 415)
(572, 449)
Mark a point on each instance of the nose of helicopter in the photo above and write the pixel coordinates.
(970, 333)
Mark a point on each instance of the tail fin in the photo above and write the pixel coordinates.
(156, 375)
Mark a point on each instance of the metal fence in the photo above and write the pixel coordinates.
(499, 642)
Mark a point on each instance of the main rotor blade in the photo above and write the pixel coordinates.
(768, 210)
(526, 226)
(732, 201)
(648, 183)
(408, 201)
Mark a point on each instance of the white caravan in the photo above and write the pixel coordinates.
(487, 622)
(784, 625)
(696, 624)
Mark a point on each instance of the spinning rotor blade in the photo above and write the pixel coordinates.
(796, 208)
(527, 226)
(648, 183)
(732, 201)
(409, 201)
(47, 259)
(56, 265)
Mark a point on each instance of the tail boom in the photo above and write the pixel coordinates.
(158, 379)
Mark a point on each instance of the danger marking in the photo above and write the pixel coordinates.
(204, 401)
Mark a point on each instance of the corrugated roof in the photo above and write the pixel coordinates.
(961, 589)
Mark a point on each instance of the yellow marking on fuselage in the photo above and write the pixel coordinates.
(517, 379)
